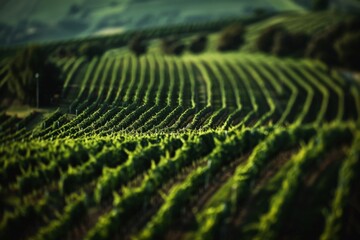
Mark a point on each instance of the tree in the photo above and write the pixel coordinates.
(338, 45)
(178, 48)
(282, 44)
(21, 73)
(61, 52)
(232, 37)
(319, 5)
(91, 50)
(21, 80)
(286, 44)
(278, 41)
(171, 45)
(50, 84)
(137, 45)
(167, 43)
(322, 49)
(68, 51)
(321, 46)
(265, 41)
(299, 42)
(348, 50)
(353, 24)
(198, 44)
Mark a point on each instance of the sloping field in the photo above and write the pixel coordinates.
(216, 89)
(215, 146)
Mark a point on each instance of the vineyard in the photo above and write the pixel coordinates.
(209, 146)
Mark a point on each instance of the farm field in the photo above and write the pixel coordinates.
(199, 146)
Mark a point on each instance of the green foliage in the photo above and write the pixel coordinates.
(231, 37)
(91, 50)
(280, 42)
(338, 45)
(137, 45)
(148, 137)
(172, 45)
(321, 47)
(348, 50)
(287, 44)
(265, 41)
(22, 73)
(346, 181)
(281, 201)
(22, 70)
(72, 213)
(320, 5)
(198, 44)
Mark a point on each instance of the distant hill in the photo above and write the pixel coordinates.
(45, 20)
(347, 6)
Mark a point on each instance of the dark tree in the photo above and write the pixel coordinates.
(137, 45)
(265, 41)
(50, 84)
(319, 5)
(320, 48)
(286, 44)
(198, 44)
(299, 42)
(353, 24)
(22, 69)
(178, 48)
(282, 45)
(232, 37)
(348, 50)
(68, 51)
(91, 50)
(61, 52)
(171, 45)
(333, 32)
(278, 41)
(167, 44)
(22, 81)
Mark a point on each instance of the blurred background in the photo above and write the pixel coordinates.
(24, 21)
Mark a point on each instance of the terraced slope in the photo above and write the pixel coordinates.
(194, 147)
(210, 91)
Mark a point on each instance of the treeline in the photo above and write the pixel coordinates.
(231, 38)
(137, 41)
(171, 45)
(26, 72)
(336, 46)
(138, 44)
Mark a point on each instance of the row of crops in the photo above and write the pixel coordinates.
(220, 82)
(153, 93)
(194, 147)
(142, 186)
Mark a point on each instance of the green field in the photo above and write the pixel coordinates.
(237, 145)
(49, 20)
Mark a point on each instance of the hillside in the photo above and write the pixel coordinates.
(214, 145)
(49, 20)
